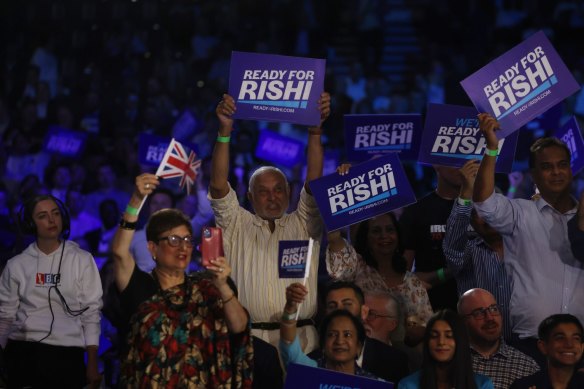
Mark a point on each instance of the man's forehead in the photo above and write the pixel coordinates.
(269, 178)
(478, 300)
(341, 294)
(566, 328)
(551, 153)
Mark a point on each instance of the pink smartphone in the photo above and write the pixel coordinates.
(211, 245)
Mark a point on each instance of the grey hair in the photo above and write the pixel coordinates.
(394, 308)
(266, 169)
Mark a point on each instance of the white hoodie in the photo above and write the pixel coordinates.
(24, 297)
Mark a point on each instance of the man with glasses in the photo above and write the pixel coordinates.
(382, 319)
(385, 323)
(491, 356)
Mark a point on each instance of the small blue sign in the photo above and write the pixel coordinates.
(65, 142)
(292, 258)
(279, 149)
(306, 377)
(570, 134)
(369, 135)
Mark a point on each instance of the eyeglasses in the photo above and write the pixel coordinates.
(372, 315)
(175, 240)
(481, 313)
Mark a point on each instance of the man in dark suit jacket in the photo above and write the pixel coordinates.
(381, 359)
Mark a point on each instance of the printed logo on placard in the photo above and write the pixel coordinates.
(524, 84)
(363, 192)
(460, 140)
(385, 136)
(276, 90)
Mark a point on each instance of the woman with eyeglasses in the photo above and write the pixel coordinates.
(447, 362)
(186, 330)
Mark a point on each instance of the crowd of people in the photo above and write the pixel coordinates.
(467, 288)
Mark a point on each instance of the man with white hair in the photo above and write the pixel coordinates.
(251, 240)
(383, 317)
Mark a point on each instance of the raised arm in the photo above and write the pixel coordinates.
(455, 239)
(485, 181)
(295, 295)
(123, 261)
(218, 185)
(235, 316)
(315, 153)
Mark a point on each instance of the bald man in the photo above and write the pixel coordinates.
(491, 356)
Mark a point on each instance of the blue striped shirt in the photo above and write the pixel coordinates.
(474, 264)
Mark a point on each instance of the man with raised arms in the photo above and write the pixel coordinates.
(251, 240)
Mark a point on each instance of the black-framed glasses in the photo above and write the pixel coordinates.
(175, 240)
(481, 313)
(372, 315)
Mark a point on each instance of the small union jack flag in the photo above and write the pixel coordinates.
(175, 163)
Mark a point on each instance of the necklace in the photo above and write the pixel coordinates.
(168, 296)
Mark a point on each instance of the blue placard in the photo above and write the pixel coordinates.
(292, 258)
(369, 135)
(306, 377)
(452, 136)
(369, 189)
(571, 135)
(276, 87)
(151, 148)
(521, 84)
(279, 149)
(64, 141)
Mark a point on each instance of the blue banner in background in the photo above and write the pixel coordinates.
(369, 135)
(369, 189)
(65, 142)
(570, 134)
(151, 148)
(279, 149)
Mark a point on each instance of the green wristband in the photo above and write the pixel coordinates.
(288, 316)
(462, 201)
(223, 139)
(491, 153)
(131, 210)
(440, 274)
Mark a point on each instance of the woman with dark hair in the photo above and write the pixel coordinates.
(376, 264)
(50, 296)
(447, 361)
(186, 330)
(341, 337)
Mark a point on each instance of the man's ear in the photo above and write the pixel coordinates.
(249, 196)
(393, 326)
(541, 346)
(364, 312)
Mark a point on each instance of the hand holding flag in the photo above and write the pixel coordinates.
(175, 163)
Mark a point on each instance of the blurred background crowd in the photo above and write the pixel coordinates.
(116, 69)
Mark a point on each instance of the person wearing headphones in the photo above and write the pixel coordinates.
(50, 298)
